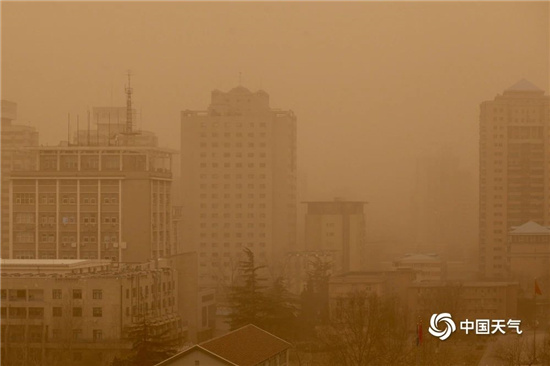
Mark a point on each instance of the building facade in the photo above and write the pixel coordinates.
(529, 258)
(338, 226)
(514, 172)
(87, 202)
(14, 137)
(238, 168)
(81, 311)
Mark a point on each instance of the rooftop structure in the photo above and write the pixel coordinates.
(246, 346)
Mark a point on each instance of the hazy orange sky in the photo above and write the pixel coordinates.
(374, 85)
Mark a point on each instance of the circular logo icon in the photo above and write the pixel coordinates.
(445, 333)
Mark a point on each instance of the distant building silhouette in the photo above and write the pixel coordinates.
(514, 170)
(238, 174)
(444, 205)
(338, 226)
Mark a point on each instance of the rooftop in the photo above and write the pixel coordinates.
(524, 85)
(530, 228)
(246, 346)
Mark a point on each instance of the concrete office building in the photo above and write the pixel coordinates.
(339, 227)
(238, 163)
(14, 137)
(514, 172)
(83, 202)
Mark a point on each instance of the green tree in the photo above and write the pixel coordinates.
(246, 297)
(281, 311)
(314, 298)
(150, 346)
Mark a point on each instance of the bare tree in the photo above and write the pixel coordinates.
(366, 330)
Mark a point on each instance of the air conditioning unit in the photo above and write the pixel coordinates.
(83, 244)
(73, 245)
(115, 245)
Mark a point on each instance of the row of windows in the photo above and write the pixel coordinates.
(238, 196)
(97, 334)
(228, 235)
(228, 134)
(237, 124)
(77, 294)
(227, 245)
(228, 215)
(239, 225)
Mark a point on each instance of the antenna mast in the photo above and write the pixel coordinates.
(129, 106)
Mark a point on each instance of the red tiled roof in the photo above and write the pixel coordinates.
(246, 346)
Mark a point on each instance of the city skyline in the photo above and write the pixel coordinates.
(358, 83)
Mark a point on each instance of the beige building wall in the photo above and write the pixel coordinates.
(338, 226)
(514, 170)
(13, 137)
(92, 203)
(82, 312)
(238, 167)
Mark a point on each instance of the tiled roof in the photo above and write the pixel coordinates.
(246, 346)
(190, 350)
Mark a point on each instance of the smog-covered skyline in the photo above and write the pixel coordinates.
(374, 85)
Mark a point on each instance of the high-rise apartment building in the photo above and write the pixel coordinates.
(514, 170)
(14, 137)
(238, 168)
(339, 227)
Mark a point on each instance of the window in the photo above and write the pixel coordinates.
(77, 333)
(97, 312)
(57, 311)
(56, 294)
(56, 333)
(97, 334)
(77, 312)
(77, 294)
(97, 294)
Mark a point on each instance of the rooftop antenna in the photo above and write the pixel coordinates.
(129, 105)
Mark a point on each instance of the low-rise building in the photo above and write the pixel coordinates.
(378, 283)
(428, 267)
(529, 257)
(464, 300)
(64, 311)
(246, 346)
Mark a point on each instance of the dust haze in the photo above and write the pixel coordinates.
(375, 86)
